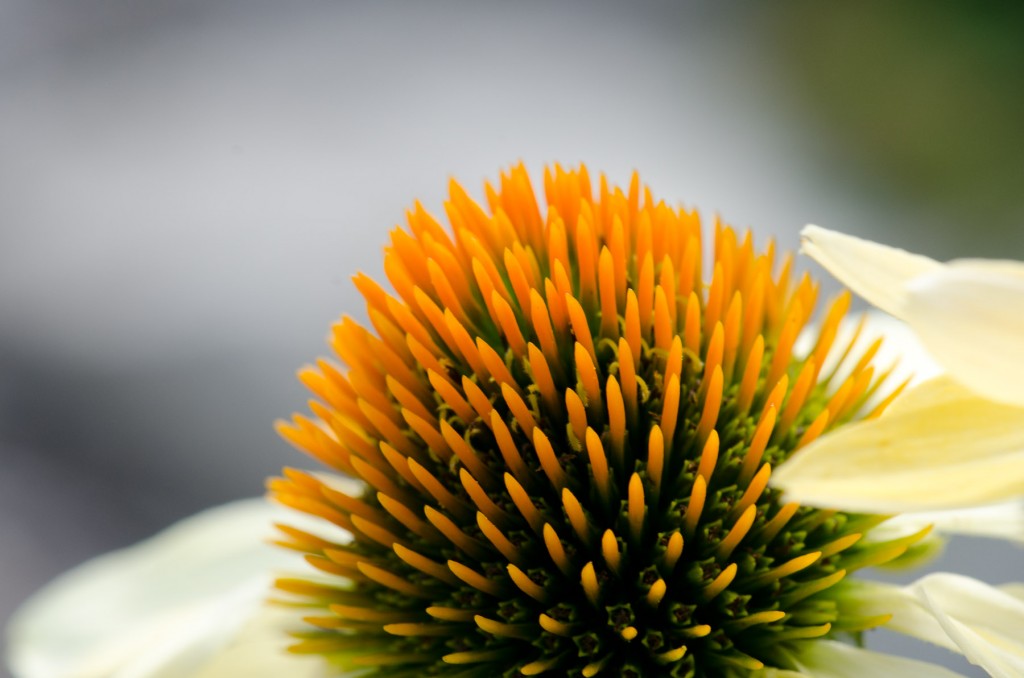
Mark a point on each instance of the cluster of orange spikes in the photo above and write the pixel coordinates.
(565, 437)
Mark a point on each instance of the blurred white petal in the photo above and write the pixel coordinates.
(1015, 589)
(940, 446)
(1002, 521)
(970, 317)
(830, 659)
(909, 615)
(983, 621)
(955, 612)
(1005, 268)
(875, 272)
(257, 651)
(158, 609)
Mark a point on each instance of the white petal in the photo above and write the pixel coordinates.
(830, 659)
(984, 622)
(158, 608)
(876, 272)
(909, 615)
(1003, 521)
(1006, 268)
(970, 317)
(939, 447)
(958, 613)
(259, 651)
(1014, 589)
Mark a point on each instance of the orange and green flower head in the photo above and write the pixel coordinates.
(564, 415)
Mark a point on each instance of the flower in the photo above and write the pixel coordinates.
(566, 442)
(954, 441)
(564, 438)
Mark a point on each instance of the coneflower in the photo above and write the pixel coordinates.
(565, 419)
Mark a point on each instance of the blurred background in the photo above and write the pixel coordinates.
(187, 187)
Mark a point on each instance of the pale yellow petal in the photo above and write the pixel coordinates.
(959, 613)
(910, 616)
(1006, 268)
(1015, 589)
(875, 272)
(258, 651)
(831, 659)
(161, 608)
(970, 317)
(942, 446)
(1004, 520)
(984, 622)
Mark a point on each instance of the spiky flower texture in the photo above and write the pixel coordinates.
(565, 437)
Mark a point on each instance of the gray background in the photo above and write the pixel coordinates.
(187, 187)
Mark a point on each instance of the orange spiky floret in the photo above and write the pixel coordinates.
(565, 437)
